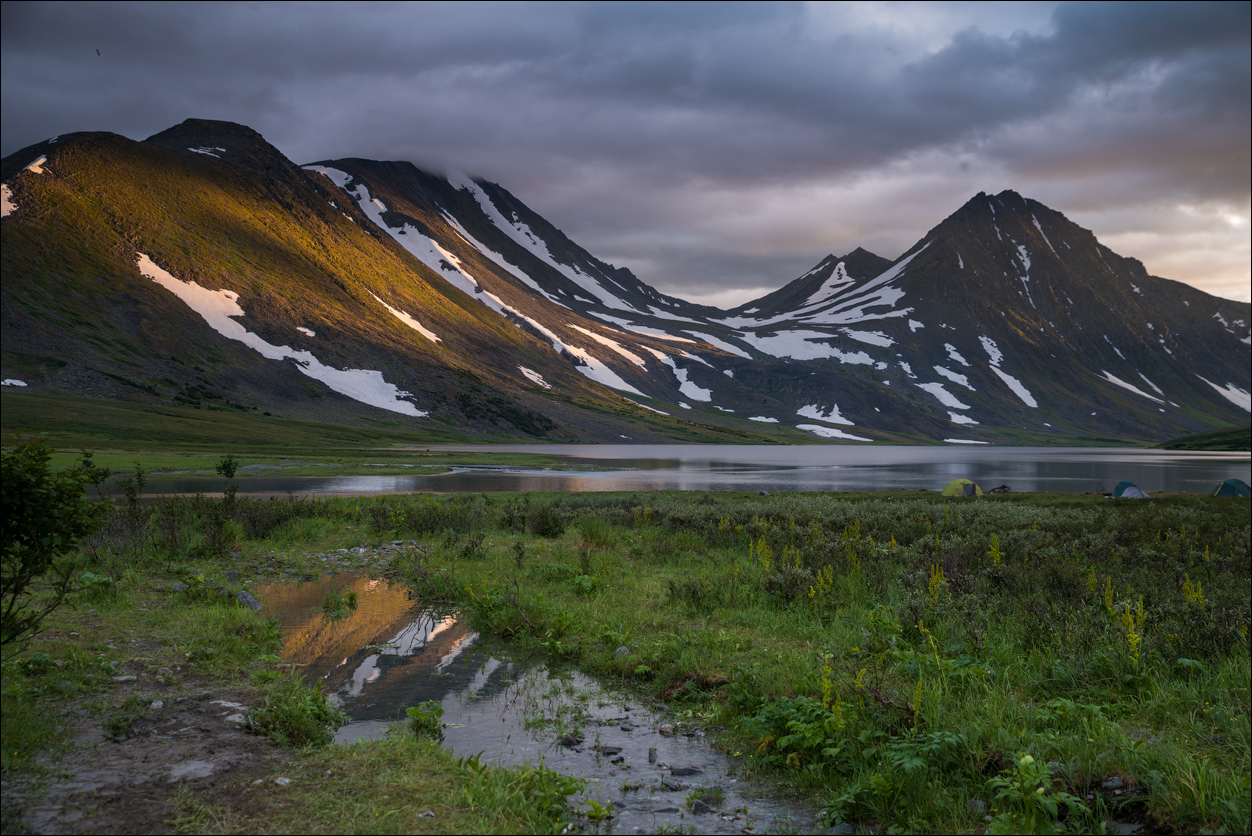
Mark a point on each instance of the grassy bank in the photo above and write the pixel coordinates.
(184, 440)
(150, 644)
(902, 660)
(899, 658)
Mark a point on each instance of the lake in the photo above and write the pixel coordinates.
(637, 467)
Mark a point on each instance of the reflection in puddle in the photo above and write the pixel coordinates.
(390, 654)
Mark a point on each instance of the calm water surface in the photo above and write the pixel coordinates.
(780, 468)
(512, 709)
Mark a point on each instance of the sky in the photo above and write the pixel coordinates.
(717, 150)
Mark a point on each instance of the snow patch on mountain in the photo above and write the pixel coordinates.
(426, 250)
(501, 261)
(1239, 397)
(209, 152)
(1016, 385)
(829, 432)
(1150, 383)
(914, 325)
(409, 321)
(639, 329)
(834, 285)
(587, 364)
(690, 389)
(524, 236)
(1110, 342)
(840, 309)
(308, 332)
(877, 338)
(955, 355)
(1024, 258)
(534, 377)
(217, 307)
(1129, 387)
(831, 415)
(611, 344)
(12, 381)
(729, 348)
(958, 418)
(800, 345)
(993, 350)
(645, 406)
(955, 377)
(687, 387)
(37, 166)
(1045, 235)
(761, 419)
(7, 206)
(963, 441)
(944, 396)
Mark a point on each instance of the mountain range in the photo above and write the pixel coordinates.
(202, 267)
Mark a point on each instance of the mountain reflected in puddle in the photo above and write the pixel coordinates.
(391, 653)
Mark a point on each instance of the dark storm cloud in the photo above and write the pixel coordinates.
(701, 144)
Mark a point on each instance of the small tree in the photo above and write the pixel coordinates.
(227, 467)
(43, 516)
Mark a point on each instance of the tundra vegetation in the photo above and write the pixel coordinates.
(1020, 663)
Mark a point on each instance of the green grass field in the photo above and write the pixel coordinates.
(1002, 664)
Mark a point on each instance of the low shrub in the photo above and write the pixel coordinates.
(295, 714)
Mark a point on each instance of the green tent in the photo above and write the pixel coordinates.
(961, 487)
(1127, 489)
(1232, 487)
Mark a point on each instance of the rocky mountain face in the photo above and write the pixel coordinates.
(202, 267)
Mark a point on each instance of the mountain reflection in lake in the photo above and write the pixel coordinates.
(390, 654)
(779, 468)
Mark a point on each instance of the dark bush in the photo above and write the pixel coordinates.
(546, 521)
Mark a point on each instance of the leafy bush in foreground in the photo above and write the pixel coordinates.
(43, 516)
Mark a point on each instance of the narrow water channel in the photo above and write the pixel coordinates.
(390, 654)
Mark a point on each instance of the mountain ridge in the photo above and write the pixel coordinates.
(1004, 322)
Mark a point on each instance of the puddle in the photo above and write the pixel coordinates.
(390, 654)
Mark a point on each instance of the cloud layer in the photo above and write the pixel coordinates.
(717, 150)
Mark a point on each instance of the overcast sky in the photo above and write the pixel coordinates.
(719, 151)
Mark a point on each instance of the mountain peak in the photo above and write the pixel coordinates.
(226, 141)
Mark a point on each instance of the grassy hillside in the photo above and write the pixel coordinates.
(1235, 439)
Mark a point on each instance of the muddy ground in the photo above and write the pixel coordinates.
(128, 783)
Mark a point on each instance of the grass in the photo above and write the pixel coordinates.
(398, 785)
(874, 653)
(173, 439)
(160, 619)
(895, 658)
(1237, 438)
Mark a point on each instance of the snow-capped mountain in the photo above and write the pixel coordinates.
(202, 264)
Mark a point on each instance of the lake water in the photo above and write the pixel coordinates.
(778, 468)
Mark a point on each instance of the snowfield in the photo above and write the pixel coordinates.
(218, 307)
